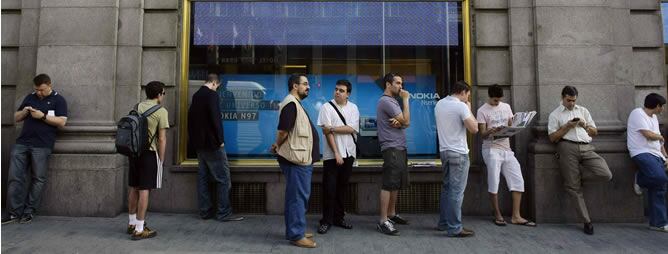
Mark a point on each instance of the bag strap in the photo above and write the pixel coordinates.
(343, 119)
(147, 113)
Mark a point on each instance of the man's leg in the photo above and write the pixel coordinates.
(652, 175)
(384, 204)
(203, 177)
(220, 171)
(493, 162)
(392, 205)
(342, 179)
(133, 199)
(329, 190)
(142, 206)
(297, 192)
(40, 164)
(457, 170)
(16, 188)
(512, 172)
(570, 171)
(595, 168)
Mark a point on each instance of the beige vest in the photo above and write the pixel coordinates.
(299, 144)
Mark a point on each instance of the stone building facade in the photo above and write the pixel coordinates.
(99, 53)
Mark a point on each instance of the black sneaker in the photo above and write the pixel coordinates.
(396, 219)
(343, 224)
(387, 228)
(10, 219)
(232, 217)
(323, 228)
(589, 228)
(26, 218)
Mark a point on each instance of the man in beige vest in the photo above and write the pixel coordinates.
(297, 148)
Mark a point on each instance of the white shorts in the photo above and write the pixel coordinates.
(502, 161)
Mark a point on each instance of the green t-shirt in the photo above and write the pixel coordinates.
(158, 120)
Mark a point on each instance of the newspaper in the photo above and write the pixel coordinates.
(521, 120)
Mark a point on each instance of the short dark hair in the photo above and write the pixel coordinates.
(459, 86)
(212, 77)
(654, 100)
(153, 89)
(495, 91)
(388, 78)
(569, 90)
(345, 82)
(294, 79)
(41, 79)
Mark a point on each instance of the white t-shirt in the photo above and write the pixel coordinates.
(450, 113)
(635, 141)
(495, 116)
(344, 142)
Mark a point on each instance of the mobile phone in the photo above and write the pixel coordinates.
(575, 119)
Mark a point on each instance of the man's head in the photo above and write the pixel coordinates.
(655, 102)
(461, 90)
(213, 80)
(42, 85)
(495, 93)
(342, 91)
(155, 90)
(568, 97)
(298, 85)
(393, 83)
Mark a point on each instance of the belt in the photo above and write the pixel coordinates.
(574, 142)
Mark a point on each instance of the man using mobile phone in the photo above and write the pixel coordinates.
(43, 112)
(571, 127)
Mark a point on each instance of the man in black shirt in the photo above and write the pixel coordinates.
(205, 133)
(43, 112)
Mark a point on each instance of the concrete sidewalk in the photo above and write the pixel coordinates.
(184, 233)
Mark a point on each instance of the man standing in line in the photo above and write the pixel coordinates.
(392, 121)
(499, 158)
(339, 120)
(146, 171)
(297, 147)
(646, 148)
(43, 112)
(205, 134)
(453, 119)
(572, 128)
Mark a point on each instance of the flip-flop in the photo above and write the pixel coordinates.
(500, 223)
(526, 223)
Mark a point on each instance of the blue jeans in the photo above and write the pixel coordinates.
(455, 175)
(652, 175)
(213, 166)
(297, 192)
(27, 176)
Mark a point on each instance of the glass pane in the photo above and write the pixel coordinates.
(255, 46)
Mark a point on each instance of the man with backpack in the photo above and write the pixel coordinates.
(42, 113)
(205, 134)
(146, 168)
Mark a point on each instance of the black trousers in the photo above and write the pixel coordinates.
(334, 184)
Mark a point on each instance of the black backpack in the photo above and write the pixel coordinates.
(132, 137)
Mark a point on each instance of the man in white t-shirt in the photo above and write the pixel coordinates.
(453, 119)
(499, 158)
(646, 148)
(338, 155)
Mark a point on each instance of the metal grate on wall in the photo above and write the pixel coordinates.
(249, 198)
(419, 198)
(316, 199)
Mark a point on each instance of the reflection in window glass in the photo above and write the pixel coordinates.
(255, 46)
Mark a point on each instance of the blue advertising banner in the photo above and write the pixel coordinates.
(250, 109)
(326, 23)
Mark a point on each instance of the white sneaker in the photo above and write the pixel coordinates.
(636, 187)
(660, 229)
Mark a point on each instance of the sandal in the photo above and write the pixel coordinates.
(500, 223)
(525, 223)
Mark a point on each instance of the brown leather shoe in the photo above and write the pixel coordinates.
(304, 243)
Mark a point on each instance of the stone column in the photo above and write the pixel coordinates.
(78, 46)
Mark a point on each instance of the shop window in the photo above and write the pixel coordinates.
(255, 46)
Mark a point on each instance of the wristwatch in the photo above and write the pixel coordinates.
(43, 118)
(331, 129)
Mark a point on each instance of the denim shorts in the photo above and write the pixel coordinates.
(395, 169)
